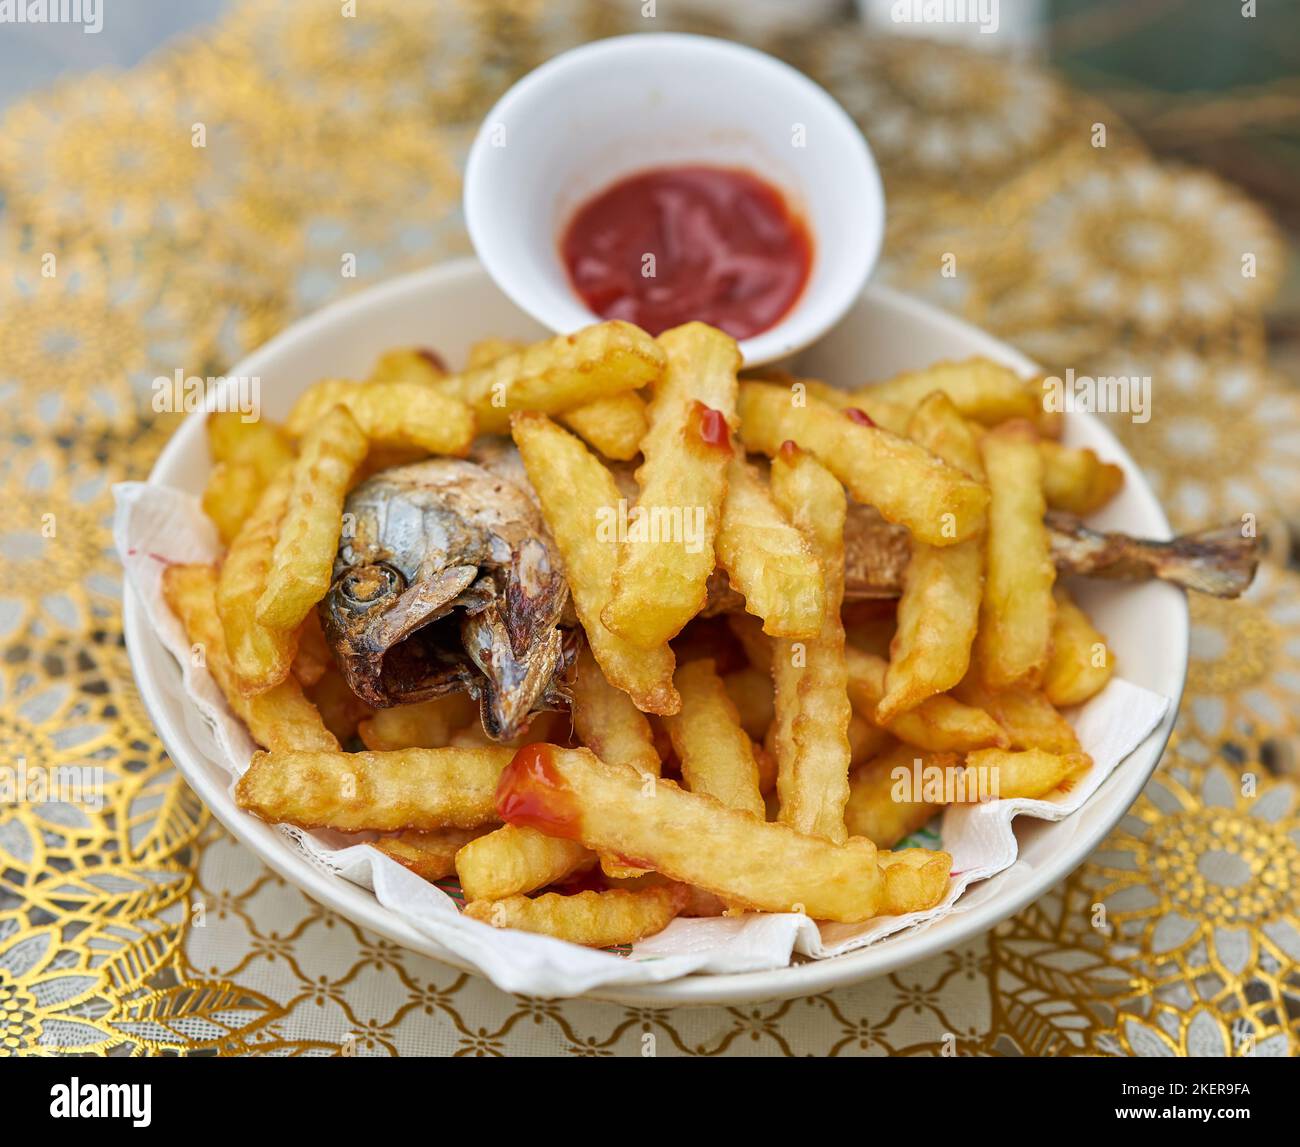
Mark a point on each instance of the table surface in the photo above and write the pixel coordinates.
(127, 252)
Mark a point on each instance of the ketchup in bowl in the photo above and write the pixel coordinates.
(675, 244)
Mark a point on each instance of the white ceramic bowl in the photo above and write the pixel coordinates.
(590, 116)
(451, 306)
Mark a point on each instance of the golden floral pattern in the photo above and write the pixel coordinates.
(131, 924)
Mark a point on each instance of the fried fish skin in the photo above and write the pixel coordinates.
(594, 919)
(420, 789)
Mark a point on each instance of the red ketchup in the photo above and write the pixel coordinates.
(712, 427)
(532, 794)
(673, 244)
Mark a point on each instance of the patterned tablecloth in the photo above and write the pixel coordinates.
(179, 214)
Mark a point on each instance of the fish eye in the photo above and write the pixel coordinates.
(367, 584)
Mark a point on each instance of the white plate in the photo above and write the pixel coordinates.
(451, 306)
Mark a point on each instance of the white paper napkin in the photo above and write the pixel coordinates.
(155, 526)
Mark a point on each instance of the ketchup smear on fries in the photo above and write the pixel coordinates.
(666, 246)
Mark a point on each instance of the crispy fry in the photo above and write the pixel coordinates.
(985, 391)
(259, 445)
(1076, 480)
(511, 860)
(488, 350)
(260, 657)
(891, 415)
(866, 740)
(309, 533)
(691, 838)
(575, 490)
(1015, 625)
(607, 721)
(938, 612)
(613, 425)
(1030, 720)
(938, 724)
(887, 796)
(716, 754)
(811, 677)
(418, 789)
(660, 581)
(431, 855)
(559, 374)
(398, 413)
(230, 496)
(340, 708)
(594, 919)
(767, 559)
(424, 725)
(408, 364)
(313, 657)
(906, 483)
(1030, 774)
(915, 879)
(277, 718)
(751, 692)
(1081, 661)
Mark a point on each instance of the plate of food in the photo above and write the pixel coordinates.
(629, 662)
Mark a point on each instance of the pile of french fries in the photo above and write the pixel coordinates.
(769, 760)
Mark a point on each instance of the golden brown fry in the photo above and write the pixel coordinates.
(1029, 718)
(559, 374)
(309, 533)
(938, 724)
(614, 425)
(751, 692)
(277, 718)
(907, 484)
(690, 838)
(891, 415)
(575, 489)
(938, 612)
(1015, 627)
(811, 677)
(985, 391)
(424, 725)
(607, 721)
(866, 740)
(1076, 480)
(888, 798)
(716, 754)
(1030, 774)
(259, 445)
(399, 413)
(660, 582)
(340, 708)
(260, 657)
(767, 559)
(594, 919)
(407, 364)
(488, 350)
(915, 879)
(230, 496)
(418, 789)
(313, 657)
(1081, 661)
(431, 855)
(511, 860)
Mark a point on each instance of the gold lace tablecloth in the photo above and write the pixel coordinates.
(177, 215)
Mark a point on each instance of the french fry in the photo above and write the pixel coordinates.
(559, 374)
(309, 533)
(408, 364)
(313, 657)
(660, 583)
(277, 718)
(397, 413)
(767, 560)
(892, 416)
(1081, 662)
(230, 496)
(419, 789)
(259, 445)
(982, 390)
(811, 677)
(424, 725)
(575, 489)
(866, 740)
(906, 483)
(1015, 627)
(594, 919)
(938, 612)
(750, 691)
(1029, 774)
(716, 754)
(915, 879)
(511, 860)
(607, 721)
(1028, 717)
(887, 798)
(260, 657)
(431, 855)
(690, 838)
(1076, 480)
(938, 724)
(488, 350)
